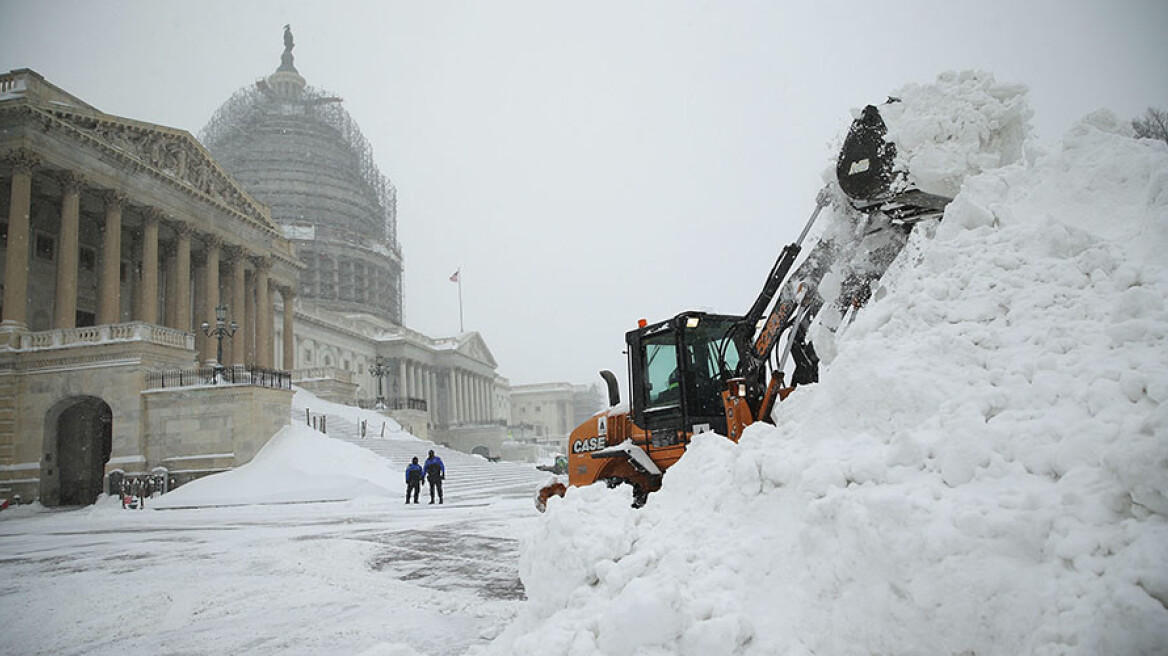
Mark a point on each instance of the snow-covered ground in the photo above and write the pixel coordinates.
(308, 549)
(983, 469)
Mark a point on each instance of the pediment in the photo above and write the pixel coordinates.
(169, 153)
(475, 348)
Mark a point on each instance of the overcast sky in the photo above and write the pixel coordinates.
(589, 164)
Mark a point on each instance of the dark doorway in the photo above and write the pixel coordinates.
(84, 443)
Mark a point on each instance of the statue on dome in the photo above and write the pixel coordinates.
(286, 58)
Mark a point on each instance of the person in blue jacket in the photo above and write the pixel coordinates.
(414, 475)
(435, 473)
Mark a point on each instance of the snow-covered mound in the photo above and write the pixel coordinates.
(983, 468)
(304, 400)
(297, 465)
(961, 125)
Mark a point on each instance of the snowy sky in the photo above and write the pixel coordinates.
(587, 165)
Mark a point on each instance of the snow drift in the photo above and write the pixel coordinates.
(296, 465)
(983, 468)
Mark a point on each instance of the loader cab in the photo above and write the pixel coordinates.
(677, 370)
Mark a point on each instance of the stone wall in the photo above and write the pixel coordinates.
(467, 438)
(47, 381)
(201, 430)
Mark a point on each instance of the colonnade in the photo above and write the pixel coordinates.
(470, 397)
(222, 274)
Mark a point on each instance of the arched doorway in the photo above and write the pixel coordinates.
(481, 451)
(79, 440)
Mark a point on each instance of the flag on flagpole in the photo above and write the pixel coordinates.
(454, 276)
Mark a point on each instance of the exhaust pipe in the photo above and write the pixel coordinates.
(613, 388)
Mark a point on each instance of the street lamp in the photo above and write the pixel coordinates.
(220, 331)
(380, 368)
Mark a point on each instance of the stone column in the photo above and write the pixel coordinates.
(463, 398)
(249, 313)
(210, 295)
(433, 401)
(453, 396)
(109, 302)
(182, 278)
(471, 404)
(263, 314)
(169, 273)
(65, 303)
(270, 322)
(239, 307)
(482, 398)
(475, 401)
(16, 264)
(148, 297)
(288, 293)
(481, 410)
(200, 311)
(480, 383)
(133, 284)
(401, 379)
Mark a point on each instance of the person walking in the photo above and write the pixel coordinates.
(414, 476)
(435, 473)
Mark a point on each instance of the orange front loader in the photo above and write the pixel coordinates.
(700, 372)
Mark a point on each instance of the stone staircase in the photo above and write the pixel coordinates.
(468, 477)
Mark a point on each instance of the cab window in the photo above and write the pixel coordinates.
(661, 377)
(709, 350)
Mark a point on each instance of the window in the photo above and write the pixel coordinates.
(45, 245)
(661, 365)
(709, 350)
(87, 257)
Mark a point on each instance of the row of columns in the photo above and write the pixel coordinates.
(247, 293)
(418, 381)
(470, 398)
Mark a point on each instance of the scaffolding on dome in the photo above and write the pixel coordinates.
(244, 108)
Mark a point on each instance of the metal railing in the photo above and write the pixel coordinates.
(239, 374)
(394, 404)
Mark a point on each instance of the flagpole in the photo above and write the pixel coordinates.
(460, 327)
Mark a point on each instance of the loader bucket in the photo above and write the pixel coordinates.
(864, 169)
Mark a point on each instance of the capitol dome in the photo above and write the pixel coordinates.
(297, 150)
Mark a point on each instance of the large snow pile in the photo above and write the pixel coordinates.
(962, 125)
(983, 468)
(297, 464)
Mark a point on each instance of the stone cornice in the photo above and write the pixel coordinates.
(165, 153)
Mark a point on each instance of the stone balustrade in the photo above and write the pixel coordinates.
(319, 373)
(135, 331)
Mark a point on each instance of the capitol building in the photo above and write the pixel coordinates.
(162, 293)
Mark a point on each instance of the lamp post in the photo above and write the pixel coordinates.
(220, 331)
(380, 368)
